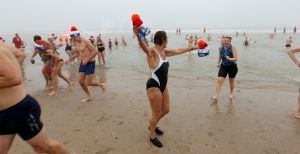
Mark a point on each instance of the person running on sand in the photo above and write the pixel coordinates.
(19, 112)
(86, 53)
(157, 90)
(291, 53)
(57, 64)
(101, 50)
(227, 65)
(47, 68)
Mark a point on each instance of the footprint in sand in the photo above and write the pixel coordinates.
(210, 134)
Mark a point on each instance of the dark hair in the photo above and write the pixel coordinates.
(36, 37)
(228, 37)
(160, 37)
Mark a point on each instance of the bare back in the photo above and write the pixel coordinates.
(153, 59)
(10, 72)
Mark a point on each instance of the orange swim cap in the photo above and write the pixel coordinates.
(202, 44)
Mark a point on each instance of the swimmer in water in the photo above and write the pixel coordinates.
(246, 42)
(288, 42)
(109, 44)
(101, 50)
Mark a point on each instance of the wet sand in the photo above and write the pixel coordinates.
(256, 121)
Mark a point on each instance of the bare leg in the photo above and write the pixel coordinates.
(42, 144)
(231, 83)
(99, 57)
(5, 143)
(165, 104)
(82, 83)
(54, 81)
(46, 75)
(297, 115)
(155, 98)
(91, 82)
(220, 82)
(61, 75)
(103, 57)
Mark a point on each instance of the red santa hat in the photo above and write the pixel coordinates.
(74, 32)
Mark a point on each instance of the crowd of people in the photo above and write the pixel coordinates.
(20, 113)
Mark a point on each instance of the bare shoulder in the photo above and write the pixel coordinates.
(151, 51)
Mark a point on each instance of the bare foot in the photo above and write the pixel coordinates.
(215, 99)
(52, 93)
(297, 115)
(103, 87)
(231, 96)
(46, 88)
(86, 99)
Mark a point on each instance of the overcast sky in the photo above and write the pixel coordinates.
(95, 15)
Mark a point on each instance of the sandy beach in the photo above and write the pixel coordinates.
(256, 121)
(259, 120)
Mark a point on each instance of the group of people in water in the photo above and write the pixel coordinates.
(20, 113)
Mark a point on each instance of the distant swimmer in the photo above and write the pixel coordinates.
(209, 37)
(204, 30)
(291, 53)
(123, 41)
(246, 42)
(195, 40)
(152, 38)
(284, 30)
(236, 33)
(116, 42)
(227, 65)
(275, 29)
(20, 113)
(110, 44)
(101, 50)
(86, 53)
(288, 42)
(190, 40)
(92, 40)
(295, 29)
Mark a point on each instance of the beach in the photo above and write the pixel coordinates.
(258, 120)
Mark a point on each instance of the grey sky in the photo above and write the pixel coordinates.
(95, 15)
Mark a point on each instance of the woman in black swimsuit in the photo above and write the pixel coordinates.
(101, 50)
(157, 90)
